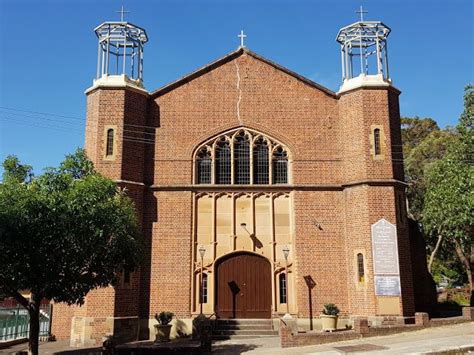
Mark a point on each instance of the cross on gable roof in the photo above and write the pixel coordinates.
(227, 58)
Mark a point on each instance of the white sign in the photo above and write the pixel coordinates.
(385, 248)
(387, 285)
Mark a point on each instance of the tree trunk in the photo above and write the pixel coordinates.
(435, 250)
(464, 260)
(472, 268)
(33, 310)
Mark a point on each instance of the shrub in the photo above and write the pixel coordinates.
(164, 317)
(330, 309)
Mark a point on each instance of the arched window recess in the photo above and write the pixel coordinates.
(241, 157)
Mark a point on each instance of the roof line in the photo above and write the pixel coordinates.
(240, 50)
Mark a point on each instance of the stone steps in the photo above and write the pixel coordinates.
(243, 329)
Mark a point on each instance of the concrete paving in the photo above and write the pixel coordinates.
(430, 340)
(426, 341)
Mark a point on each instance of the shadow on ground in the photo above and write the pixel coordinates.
(89, 351)
(232, 348)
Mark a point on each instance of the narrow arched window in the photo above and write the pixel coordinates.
(126, 277)
(283, 285)
(377, 149)
(280, 166)
(223, 162)
(109, 147)
(360, 267)
(204, 288)
(241, 159)
(260, 162)
(204, 166)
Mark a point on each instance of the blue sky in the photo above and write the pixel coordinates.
(48, 54)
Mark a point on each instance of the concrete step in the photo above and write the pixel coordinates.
(227, 337)
(244, 332)
(243, 329)
(244, 321)
(244, 326)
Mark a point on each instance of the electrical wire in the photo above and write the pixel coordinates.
(40, 113)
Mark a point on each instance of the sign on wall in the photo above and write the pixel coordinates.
(385, 248)
(385, 259)
(387, 285)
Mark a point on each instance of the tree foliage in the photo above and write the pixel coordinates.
(13, 170)
(63, 233)
(423, 143)
(415, 130)
(448, 209)
(432, 148)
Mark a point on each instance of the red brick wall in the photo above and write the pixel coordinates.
(328, 140)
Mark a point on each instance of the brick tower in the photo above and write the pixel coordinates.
(373, 162)
(116, 111)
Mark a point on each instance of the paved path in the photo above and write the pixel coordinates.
(423, 341)
(436, 339)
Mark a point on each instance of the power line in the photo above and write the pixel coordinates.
(40, 118)
(28, 118)
(40, 113)
(135, 125)
(32, 124)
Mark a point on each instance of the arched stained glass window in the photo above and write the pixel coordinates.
(377, 149)
(241, 159)
(109, 147)
(280, 166)
(260, 162)
(223, 162)
(204, 166)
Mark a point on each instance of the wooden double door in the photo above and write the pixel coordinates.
(244, 287)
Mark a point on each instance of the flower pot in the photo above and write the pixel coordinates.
(329, 323)
(162, 333)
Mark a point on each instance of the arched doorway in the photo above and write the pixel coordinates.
(243, 287)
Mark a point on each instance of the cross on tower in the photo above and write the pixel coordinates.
(242, 36)
(122, 12)
(361, 12)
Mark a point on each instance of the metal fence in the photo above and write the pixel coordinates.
(15, 322)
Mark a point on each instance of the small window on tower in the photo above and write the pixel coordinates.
(126, 277)
(360, 268)
(377, 150)
(109, 148)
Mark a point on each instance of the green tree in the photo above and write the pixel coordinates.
(414, 130)
(13, 170)
(62, 234)
(448, 210)
(432, 148)
(418, 153)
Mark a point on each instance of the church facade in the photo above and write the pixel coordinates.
(257, 191)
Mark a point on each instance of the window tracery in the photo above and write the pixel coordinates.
(241, 157)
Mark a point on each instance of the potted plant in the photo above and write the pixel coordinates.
(329, 317)
(163, 328)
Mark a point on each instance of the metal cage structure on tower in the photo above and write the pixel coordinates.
(364, 49)
(120, 50)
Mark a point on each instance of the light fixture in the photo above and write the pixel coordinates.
(286, 251)
(202, 251)
(243, 224)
